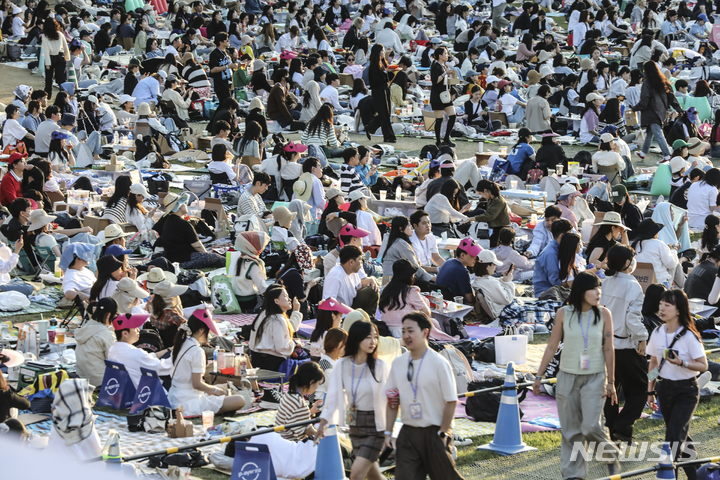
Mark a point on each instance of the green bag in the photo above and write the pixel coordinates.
(223, 296)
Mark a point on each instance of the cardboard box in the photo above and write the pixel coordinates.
(215, 205)
(203, 143)
(346, 79)
(631, 118)
(624, 51)
(645, 275)
(628, 43)
(96, 223)
(180, 429)
(452, 77)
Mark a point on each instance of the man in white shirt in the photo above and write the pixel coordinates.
(425, 387)
(331, 94)
(174, 43)
(424, 242)
(348, 235)
(127, 331)
(45, 130)
(389, 39)
(541, 233)
(345, 285)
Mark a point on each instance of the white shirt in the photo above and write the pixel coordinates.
(702, 200)
(389, 39)
(188, 363)
(341, 286)
(435, 387)
(171, 49)
(12, 133)
(663, 259)
(508, 103)
(222, 167)
(109, 289)
(367, 222)
(331, 94)
(133, 358)
(688, 348)
(79, 280)
(424, 249)
(276, 338)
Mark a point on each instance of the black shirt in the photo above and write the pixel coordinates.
(256, 116)
(177, 239)
(102, 41)
(631, 217)
(600, 242)
(679, 196)
(700, 281)
(218, 58)
(293, 282)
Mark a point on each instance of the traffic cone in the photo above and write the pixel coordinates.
(508, 436)
(666, 470)
(329, 463)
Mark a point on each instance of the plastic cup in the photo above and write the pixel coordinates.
(503, 150)
(559, 168)
(458, 300)
(60, 335)
(383, 195)
(481, 147)
(513, 184)
(208, 419)
(51, 336)
(397, 111)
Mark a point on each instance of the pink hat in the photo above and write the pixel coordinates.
(295, 147)
(129, 320)
(288, 55)
(468, 246)
(33, 204)
(204, 316)
(332, 305)
(353, 231)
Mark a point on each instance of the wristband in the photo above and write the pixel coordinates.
(388, 433)
(538, 377)
(214, 389)
(651, 394)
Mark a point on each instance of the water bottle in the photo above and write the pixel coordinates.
(116, 138)
(130, 138)
(398, 193)
(215, 359)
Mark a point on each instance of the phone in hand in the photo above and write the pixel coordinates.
(376, 160)
(512, 266)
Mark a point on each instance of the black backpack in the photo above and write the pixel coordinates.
(484, 407)
(149, 340)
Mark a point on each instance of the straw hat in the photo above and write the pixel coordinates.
(11, 358)
(586, 64)
(533, 77)
(546, 70)
(113, 232)
(283, 216)
(144, 109)
(303, 186)
(614, 219)
(156, 275)
(38, 219)
(256, 103)
(678, 164)
(173, 201)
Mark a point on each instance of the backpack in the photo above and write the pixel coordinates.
(583, 157)
(484, 407)
(459, 364)
(149, 340)
(428, 149)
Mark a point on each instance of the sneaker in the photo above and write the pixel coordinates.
(664, 160)
(704, 379)
(640, 154)
(461, 441)
(271, 399)
(449, 143)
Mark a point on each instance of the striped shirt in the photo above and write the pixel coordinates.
(252, 204)
(349, 179)
(292, 409)
(195, 76)
(322, 136)
(116, 213)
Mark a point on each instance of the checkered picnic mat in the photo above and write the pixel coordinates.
(238, 319)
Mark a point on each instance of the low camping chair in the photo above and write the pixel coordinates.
(702, 105)
(550, 186)
(510, 178)
(501, 117)
(47, 257)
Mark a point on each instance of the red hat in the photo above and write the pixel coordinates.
(295, 147)
(502, 84)
(288, 55)
(205, 317)
(353, 231)
(15, 156)
(129, 320)
(468, 246)
(332, 305)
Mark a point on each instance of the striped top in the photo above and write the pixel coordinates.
(323, 137)
(195, 76)
(349, 179)
(116, 213)
(292, 409)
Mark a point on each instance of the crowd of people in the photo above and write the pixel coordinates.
(309, 242)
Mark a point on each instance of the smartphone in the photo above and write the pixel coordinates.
(377, 160)
(512, 265)
(669, 353)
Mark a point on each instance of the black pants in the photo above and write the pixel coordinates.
(678, 400)
(381, 100)
(631, 376)
(266, 361)
(421, 452)
(222, 90)
(494, 237)
(367, 299)
(55, 66)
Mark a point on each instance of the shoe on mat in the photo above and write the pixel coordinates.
(270, 399)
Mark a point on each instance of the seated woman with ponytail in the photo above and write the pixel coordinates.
(271, 336)
(94, 340)
(166, 310)
(188, 388)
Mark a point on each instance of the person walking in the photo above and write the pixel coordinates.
(677, 355)
(656, 97)
(586, 330)
(440, 98)
(425, 387)
(379, 85)
(57, 54)
(356, 398)
(623, 296)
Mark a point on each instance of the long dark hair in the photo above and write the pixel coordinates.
(195, 324)
(51, 29)
(359, 331)
(611, 112)
(680, 300)
(269, 309)
(598, 238)
(653, 295)
(323, 324)
(617, 257)
(358, 88)
(394, 295)
(99, 284)
(397, 226)
(655, 79)
(448, 189)
(583, 282)
(709, 239)
(323, 120)
(716, 125)
(306, 374)
(566, 254)
(122, 190)
(377, 63)
(99, 309)
(253, 131)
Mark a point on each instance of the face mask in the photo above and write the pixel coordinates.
(633, 266)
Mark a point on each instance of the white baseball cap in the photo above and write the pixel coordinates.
(126, 98)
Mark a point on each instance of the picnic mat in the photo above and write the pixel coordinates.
(532, 359)
(479, 332)
(238, 319)
(45, 300)
(539, 414)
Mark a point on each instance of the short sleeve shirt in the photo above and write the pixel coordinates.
(688, 347)
(519, 155)
(424, 249)
(188, 363)
(454, 276)
(178, 237)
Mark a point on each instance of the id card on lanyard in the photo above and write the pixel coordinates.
(584, 357)
(415, 406)
(351, 413)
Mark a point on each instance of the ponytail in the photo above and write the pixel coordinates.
(304, 376)
(184, 331)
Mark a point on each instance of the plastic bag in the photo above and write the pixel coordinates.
(223, 296)
(13, 301)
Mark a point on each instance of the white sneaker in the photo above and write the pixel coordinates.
(704, 379)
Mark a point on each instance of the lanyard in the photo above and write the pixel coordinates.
(425, 250)
(417, 378)
(585, 334)
(354, 388)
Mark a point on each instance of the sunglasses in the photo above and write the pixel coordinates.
(410, 372)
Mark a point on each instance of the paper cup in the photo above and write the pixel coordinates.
(383, 195)
(481, 147)
(208, 419)
(503, 150)
(513, 184)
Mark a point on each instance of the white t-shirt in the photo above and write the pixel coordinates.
(12, 132)
(435, 387)
(45, 240)
(367, 222)
(508, 102)
(18, 29)
(341, 286)
(688, 348)
(188, 363)
(79, 280)
(702, 199)
(222, 167)
(291, 171)
(133, 358)
(424, 249)
(109, 289)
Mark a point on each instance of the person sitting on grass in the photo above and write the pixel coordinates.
(293, 408)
